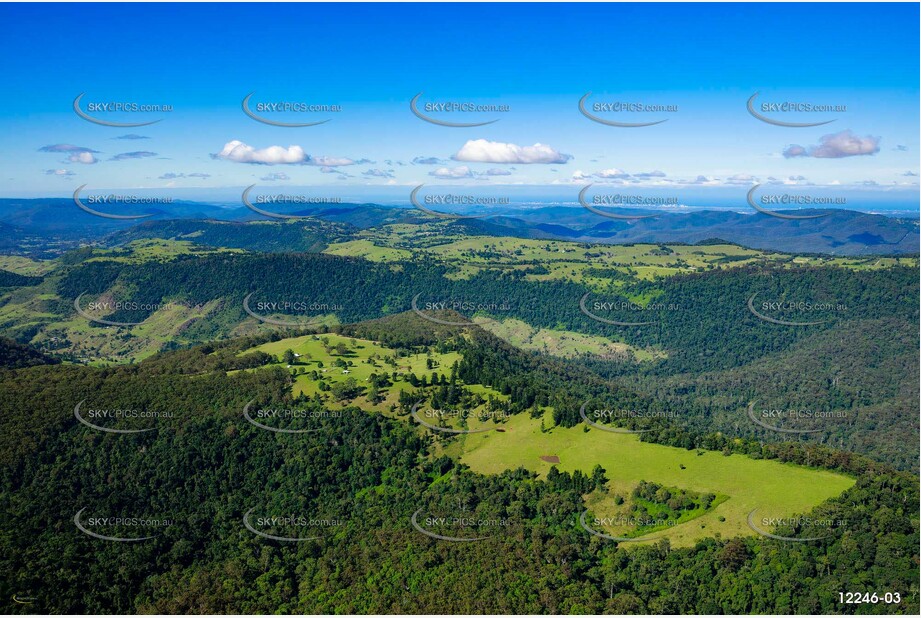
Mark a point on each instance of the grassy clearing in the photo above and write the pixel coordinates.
(563, 343)
(576, 261)
(100, 344)
(155, 249)
(362, 359)
(368, 250)
(26, 266)
(741, 484)
(774, 489)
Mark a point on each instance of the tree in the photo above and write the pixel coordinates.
(347, 389)
(733, 555)
(599, 479)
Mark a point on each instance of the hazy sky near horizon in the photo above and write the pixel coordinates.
(701, 62)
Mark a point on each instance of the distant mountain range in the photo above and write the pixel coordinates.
(839, 232)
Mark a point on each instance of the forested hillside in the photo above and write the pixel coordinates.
(860, 325)
(310, 236)
(358, 480)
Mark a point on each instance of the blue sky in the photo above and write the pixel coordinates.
(538, 60)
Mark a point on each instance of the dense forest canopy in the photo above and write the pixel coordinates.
(371, 498)
(358, 480)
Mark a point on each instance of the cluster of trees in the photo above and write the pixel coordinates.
(14, 355)
(653, 503)
(9, 279)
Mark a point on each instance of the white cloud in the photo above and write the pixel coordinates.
(137, 154)
(741, 179)
(60, 172)
(461, 171)
(485, 151)
(333, 161)
(76, 154)
(378, 173)
(612, 173)
(794, 150)
(836, 146)
(275, 176)
(175, 175)
(427, 161)
(87, 158)
(652, 174)
(65, 148)
(239, 152)
(497, 171)
(705, 180)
